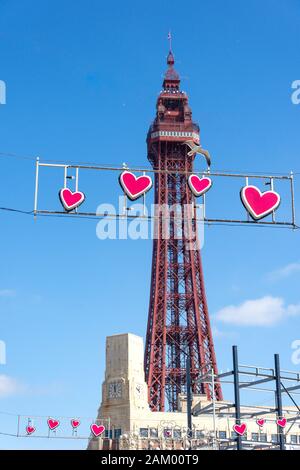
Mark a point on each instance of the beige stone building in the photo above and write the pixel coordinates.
(133, 426)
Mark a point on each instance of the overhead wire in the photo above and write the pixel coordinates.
(73, 162)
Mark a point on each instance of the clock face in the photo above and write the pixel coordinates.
(115, 390)
(139, 390)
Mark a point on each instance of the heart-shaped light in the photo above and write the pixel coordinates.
(259, 204)
(53, 423)
(240, 429)
(30, 429)
(70, 200)
(97, 430)
(199, 186)
(260, 422)
(134, 186)
(282, 422)
(75, 423)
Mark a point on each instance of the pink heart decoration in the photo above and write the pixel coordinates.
(53, 423)
(240, 429)
(30, 429)
(199, 186)
(97, 430)
(259, 204)
(134, 186)
(75, 423)
(260, 422)
(281, 422)
(69, 199)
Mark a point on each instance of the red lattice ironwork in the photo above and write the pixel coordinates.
(178, 321)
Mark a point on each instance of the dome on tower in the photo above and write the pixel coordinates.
(171, 76)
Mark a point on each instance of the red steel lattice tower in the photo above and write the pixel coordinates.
(178, 321)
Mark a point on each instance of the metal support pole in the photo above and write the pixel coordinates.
(65, 176)
(237, 402)
(214, 406)
(272, 188)
(189, 397)
(293, 199)
(36, 186)
(278, 399)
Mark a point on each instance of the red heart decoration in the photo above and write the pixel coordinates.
(281, 422)
(69, 199)
(134, 186)
(75, 423)
(199, 186)
(240, 429)
(260, 422)
(53, 423)
(97, 430)
(30, 429)
(259, 204)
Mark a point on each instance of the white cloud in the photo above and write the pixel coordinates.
(7, 293)
(266, 311)
(284, 272)
(9, 386)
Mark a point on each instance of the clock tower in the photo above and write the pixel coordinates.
(124, 390)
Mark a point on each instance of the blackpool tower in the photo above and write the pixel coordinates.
(178, 319)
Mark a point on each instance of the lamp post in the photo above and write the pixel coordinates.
(189, 396)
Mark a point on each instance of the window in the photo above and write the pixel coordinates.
(117, 433)
(263, 437)
(222, 435)
(108, 433)
(199, 434)
(254, 436)
(153, 432)
(143, 432)
(274, 438)
(294, 439)
(177, 434)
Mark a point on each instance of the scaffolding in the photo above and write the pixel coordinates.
(252, 377)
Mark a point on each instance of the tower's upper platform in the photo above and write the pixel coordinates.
(173, 121)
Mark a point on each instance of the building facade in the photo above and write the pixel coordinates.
(134, 426)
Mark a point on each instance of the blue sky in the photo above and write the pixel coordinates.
(82, 75)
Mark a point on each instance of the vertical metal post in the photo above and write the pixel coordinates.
(272, 189)
(36, 186)
(18, 431)
(278, 399)
(144, 199)
(65, 176)
(214, 406)
(76, 183)
(189, 396)
(237, 402)
(293, 198)
(77, 179)
(247, 184)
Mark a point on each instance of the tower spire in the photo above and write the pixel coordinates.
(170, 41)
(172, 79)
